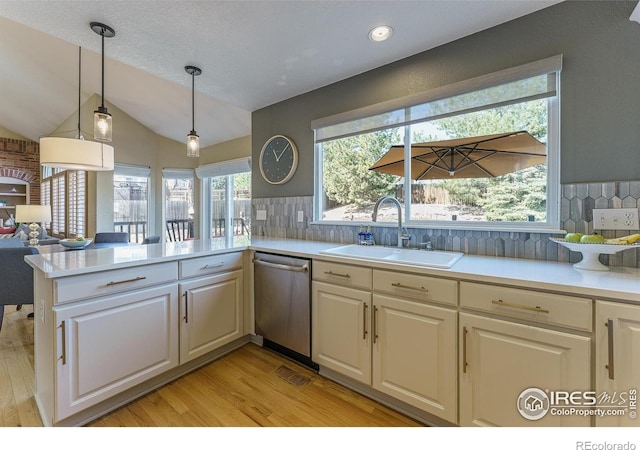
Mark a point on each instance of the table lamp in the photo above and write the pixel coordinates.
(33, 214)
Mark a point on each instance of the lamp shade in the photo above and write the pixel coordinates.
(75, 154)
(33, 213)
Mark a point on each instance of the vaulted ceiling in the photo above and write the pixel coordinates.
(252, 54)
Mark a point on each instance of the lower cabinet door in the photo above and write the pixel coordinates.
(501, 360)
(341, 331)
(618, 364)
(108, 345)
(414, 357)
(211, 313)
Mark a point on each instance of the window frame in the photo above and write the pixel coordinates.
(59, 195)
(129, 170)
(227, 169)
(547, 66)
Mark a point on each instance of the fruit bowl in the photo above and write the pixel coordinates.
(74, 244)
(591, 252)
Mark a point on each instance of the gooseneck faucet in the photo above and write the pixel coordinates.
(402, 235)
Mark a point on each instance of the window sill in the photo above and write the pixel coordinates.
(462, 226)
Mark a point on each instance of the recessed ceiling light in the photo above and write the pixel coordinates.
(381, 33)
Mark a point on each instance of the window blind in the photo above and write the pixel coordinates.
(128, 170)
(223, 168)
(519, 84)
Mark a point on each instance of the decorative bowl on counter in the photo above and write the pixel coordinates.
(74, 244)
(591, 252)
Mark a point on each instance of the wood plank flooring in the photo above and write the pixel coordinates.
(251, 387)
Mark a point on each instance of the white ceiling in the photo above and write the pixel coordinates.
(252, 54)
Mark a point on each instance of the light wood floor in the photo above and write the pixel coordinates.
(247, 388)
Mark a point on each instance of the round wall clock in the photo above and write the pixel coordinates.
(278, 159)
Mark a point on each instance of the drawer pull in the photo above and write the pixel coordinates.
(333, 274)
(375, 324)
(413, 288)
(113, 283)
(515, 305)
(464, 349)
(212, 266)
(364, 321)
(186, 306)
(64, 342)
(609, 325)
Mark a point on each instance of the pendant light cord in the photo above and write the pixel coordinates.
(102, 34)
(79, 83)
(193, 109)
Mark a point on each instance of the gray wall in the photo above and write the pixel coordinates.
(600, 95)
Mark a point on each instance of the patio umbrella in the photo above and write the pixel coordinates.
(475, 157)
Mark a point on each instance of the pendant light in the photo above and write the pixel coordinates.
(76, 153)
(193, 140)
(102, 127)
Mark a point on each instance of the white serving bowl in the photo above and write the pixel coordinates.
(73, 244)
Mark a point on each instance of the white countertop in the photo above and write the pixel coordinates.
(617, 283)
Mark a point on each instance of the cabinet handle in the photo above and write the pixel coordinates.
(515, 305)
(211, 266)
(464, 349)
(609, 325)
(131, 280)
(413, 288)
(333, 274)
(64, 342)
(364, 321)
(186, 307)
(375, 324)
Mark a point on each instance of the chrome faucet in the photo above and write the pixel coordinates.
(402, 233)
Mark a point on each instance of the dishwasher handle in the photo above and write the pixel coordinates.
(304, 268)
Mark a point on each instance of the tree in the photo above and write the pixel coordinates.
(514, 196)
(347, 178)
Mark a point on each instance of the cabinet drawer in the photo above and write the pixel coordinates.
(540, 307)
(206, 265)
(112, 281)
(417, 287)
(343, 274)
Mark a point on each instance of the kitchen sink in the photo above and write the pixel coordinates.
(427, 258)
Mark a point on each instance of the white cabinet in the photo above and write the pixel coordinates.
(535, 340)
(414, 358)
(108, 345)
(341, 330)
(211, 313)
(617, 361)
(391, 340)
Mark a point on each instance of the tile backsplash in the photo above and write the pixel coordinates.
(576, 214)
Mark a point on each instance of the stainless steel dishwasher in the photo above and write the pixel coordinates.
(283, 305)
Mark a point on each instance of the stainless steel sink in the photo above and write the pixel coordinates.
(438, 259)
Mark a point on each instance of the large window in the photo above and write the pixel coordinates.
(178, 204)
(131, 201)
(477, 154)
(65, 191)
(227, 199)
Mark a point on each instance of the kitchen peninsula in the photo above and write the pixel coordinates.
(112, 324)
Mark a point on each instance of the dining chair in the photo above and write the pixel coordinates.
(111, 237)
(151, 240)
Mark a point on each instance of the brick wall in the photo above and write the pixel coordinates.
(21, 159)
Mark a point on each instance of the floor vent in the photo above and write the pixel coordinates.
(291, 376)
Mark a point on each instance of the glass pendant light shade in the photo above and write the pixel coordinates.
(193, 145)
(102, 125)
(193, 140)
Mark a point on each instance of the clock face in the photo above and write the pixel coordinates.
(278, 159)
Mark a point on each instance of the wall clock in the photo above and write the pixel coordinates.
(278, 159)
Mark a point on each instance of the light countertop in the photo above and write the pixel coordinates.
(618, 283)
